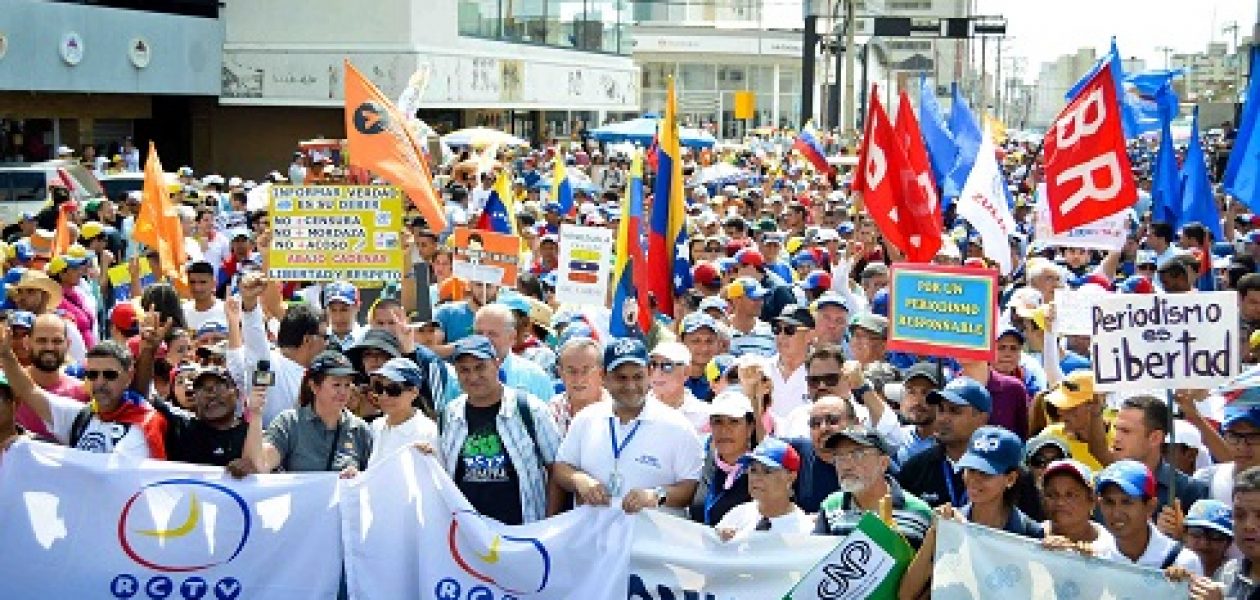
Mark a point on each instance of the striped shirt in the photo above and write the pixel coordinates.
(517, 443)
(839, 514)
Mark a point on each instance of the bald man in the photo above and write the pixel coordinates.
(48, 345)
(817, 478)
(498, 323)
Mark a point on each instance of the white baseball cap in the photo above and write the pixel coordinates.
(674, 352)
(731, 403)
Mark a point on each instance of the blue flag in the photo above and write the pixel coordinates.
(942, 152)
(1127, 113)
(1198, 203)
(1152, 96)
(1165, 182)
(1242, 174)
(966, 130)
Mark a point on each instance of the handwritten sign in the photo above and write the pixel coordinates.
(942, 311)
(485, 256)
(1072, 310)
(1107, 233)
(329, 232)
(584, 269)
(1164, 341)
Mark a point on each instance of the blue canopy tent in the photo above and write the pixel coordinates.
(641, 130)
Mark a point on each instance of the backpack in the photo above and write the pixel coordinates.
(79, 426)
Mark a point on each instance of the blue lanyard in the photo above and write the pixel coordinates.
(612, 436)
(956, 501)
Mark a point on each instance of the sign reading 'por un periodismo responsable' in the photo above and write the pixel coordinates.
(1164, 341)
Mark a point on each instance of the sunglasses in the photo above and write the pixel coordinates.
(833, 419)
(389, 389)
(732, 377)
(93, 374)
(828, 380)
(665, 367)
(783, 328)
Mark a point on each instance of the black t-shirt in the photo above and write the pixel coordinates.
(192, 441)
(484, 471)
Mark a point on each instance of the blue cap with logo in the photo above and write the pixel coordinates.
(696, 321)
(1132, 477)
(992, 450)
(625, 351)
(401, 370)
(341, 291)
(1211, 514)
(963, 391)
(477, 346)
(1235, 414)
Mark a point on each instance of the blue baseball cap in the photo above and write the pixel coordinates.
(23, 251)
(515, 301)
(774, 453)
(1072, 361)
(1011, 331)
(401, 370)
(992, 450)
(212, 327)
(14, 275)
(625, 351)
(477, 346)
(22, 318)
(963, 391)
(1133, 478)
(879, 302)
(341, 291)
(1235, 414)
(696, 321)
(1211, 514)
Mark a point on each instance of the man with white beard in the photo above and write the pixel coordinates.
(862, 459)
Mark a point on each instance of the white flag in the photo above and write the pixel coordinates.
(983, 204)
(84, 525)
(410, 533)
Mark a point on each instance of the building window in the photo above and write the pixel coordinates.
(910, 5)
(592, 25)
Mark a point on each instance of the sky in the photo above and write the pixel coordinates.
(1042, 30)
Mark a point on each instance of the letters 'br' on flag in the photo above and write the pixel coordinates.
(381, 141)
(1088, 176)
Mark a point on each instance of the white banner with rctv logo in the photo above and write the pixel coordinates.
(410, 533)
(82, 525)
(1164, 341)
(977, 563)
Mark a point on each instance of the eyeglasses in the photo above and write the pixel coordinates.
(108, 374)
(852, 456)
(1244, 439)
(390, 389)
(832, 419)
(826, 379)
(665, 367)
(1207, 534)
(1040, 462)
(784, 328)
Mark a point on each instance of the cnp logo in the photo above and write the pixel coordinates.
(516, 565)
(183, 525)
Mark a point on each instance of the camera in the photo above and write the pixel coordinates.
(263, 375)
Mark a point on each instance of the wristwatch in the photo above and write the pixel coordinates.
(661, 496)
(861, 390)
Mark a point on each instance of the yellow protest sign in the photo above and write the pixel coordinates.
(328, 232)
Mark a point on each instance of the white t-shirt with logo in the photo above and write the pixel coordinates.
(98, 436)
(663, 451)
(196, 318)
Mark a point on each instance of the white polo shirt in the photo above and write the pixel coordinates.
(664, 448)
(790, 391)
(1157, 550)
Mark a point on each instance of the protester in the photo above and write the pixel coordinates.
(723, 482)
(1210, 533)
(1127, 500)
(212, 434)
(583, 377)
(1067, 490)
(667, 375)
(771, 467)
(862, 459)
(604, 459)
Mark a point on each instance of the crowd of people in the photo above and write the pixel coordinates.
(769, 401)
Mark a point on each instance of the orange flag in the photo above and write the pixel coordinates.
(158, 225)
(62, 240)
(382, 142)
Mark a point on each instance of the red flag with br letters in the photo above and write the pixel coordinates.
(1088, 175)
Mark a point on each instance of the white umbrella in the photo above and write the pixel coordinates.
(481, 136)
(720, 171)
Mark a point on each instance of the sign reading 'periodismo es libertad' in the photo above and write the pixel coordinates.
(1164, 341)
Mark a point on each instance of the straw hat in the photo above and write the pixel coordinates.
(35, 279)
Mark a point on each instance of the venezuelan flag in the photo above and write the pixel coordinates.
(809, 146)
(499, 215)
(631, 314)
(561, 189)
(669, 269)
